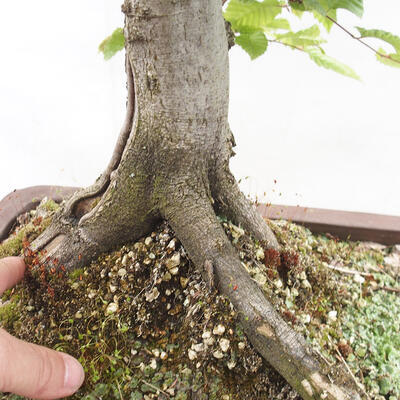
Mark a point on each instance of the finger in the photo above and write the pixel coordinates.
(11, 272)
(35, 371)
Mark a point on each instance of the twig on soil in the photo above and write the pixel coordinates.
(354, 272)
(119, 390)
(155, 388)
(349, 370)
(388, 289)
(349, 271)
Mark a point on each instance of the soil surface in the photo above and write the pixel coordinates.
(145, 325)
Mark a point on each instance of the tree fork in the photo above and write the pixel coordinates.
(174, 165)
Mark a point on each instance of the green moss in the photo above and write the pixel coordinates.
(13, 245)
(8, 314)
(75, 274)
(51, 206)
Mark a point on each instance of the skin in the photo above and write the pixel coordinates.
(27, 369)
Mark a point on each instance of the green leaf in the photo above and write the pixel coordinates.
(324, 21)
(327, 62)
(251, 15)
(278, 23)
(354, 6)
(314, 5)
(324, 6)
(297, 7)
(112, 44)
(254, 43)
(393, 61)
(383, 35)
(304, 38)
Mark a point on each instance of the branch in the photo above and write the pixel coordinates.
(361, 41)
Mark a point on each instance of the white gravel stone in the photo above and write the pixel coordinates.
(332, 316)
(112, 308)
(224, 344)
(209, 341)
(219, 330)
(152, 295)
(306, 284)
(260, 254)
(172, 244)
(218, 354)
(198, 347)
(305, 318)
(156, 352)
(231, 364)
(122, 272)
(241, 345)
(206, 335)
(192, 354)
(358, 278)
(174, 261)
(148, 241)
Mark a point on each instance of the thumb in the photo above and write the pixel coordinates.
(35, 371)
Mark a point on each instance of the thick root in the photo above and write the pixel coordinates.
(232, 203)
(193, 220)
(118, 219)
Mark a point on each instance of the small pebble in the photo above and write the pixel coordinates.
(224, 344)
(219, 330)
(231, 364)
(112, 308)
(198, 347)
(218, 354)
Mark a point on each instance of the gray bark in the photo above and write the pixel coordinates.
(171, 162)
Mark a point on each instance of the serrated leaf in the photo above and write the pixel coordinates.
(278, 23)
(314, 5)
(304, 38)
(297, 7)
(324, 6)
(322, 60)
(382, 35)
(112, 44)
(251, 15)
(254, 43)
(324, 21)
(393, 61)
(354, 6)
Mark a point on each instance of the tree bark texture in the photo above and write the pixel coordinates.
(172, 162)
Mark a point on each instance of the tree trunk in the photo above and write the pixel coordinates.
(172, 162)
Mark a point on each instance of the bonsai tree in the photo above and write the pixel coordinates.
(171, 160)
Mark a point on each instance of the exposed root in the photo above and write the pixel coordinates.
(79, 204)
(232, 203)
(195, 223)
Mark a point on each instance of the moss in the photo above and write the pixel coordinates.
(8, 313)
(51, 206)
(13, 245)
(140, 349)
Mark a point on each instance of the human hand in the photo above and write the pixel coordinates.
(27, 369)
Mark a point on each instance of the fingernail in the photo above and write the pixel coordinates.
(74, 374)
